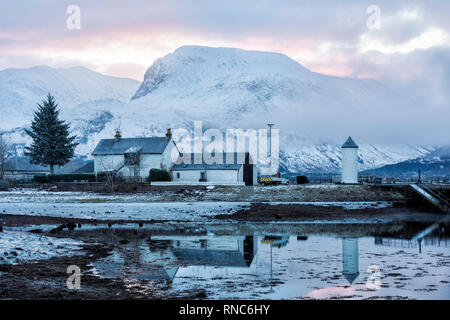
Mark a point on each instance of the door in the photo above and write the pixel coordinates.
(248, 171)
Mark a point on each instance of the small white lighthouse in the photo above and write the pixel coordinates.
(349, 161)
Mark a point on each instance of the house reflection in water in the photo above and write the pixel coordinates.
(350, 259)
(276, 241)
(161, 257)
(174, 252)
(132, 261)
(166, 258)
(236, 251)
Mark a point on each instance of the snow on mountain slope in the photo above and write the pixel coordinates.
(434, 164)
(229, 88)
(307, 156)
(242, 87)
(86, 98)
(223, 87)
(73, 88)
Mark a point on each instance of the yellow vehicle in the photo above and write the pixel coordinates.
(273, 180)
(275, 241)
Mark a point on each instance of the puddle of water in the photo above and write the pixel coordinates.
(283, 266)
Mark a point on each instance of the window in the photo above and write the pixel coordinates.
(131, 159)
(178, 175)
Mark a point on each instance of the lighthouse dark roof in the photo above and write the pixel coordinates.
(351, 277)
(349, 143)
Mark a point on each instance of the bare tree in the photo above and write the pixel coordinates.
(4, 155)
(115, 180)
(109, 167)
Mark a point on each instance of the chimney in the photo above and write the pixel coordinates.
(117, 136)
(169, 134)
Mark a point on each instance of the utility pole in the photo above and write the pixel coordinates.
(2, 157)
(269, 154)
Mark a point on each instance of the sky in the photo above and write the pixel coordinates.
(403, 43)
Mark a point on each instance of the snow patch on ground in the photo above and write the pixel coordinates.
(345, 205)
(43, 196)
(321, 186)
(186, 211)
(18, 247)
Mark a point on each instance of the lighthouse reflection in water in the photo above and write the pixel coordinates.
(350, 260)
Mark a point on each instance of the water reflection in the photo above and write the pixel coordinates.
(350, 259)
(283, 266)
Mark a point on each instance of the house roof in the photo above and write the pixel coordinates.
(218, 258)
(150, 145)
(235, 164)
(349, 143)
(87, 168)
(23, 164)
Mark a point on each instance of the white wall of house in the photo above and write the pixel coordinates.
(107, 162)
(146, 162)
(186, 175)
(211, 175)
(225, 243)
(167, 160)
(215, 175)
(157, 161)
(113, 162)
(164, 160)
(149, 161)
(225, 175)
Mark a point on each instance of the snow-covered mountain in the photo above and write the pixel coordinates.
(242, 87)
(434, 164)
(234, 88)
(223, 87)
(86, 98)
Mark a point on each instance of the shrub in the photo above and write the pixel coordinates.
(70, 177)
(4, 186)
(159, 175)
(107, 176)
(40, 179)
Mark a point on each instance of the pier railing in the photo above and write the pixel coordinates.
(437, 199)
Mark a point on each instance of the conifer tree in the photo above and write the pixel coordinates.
(52, 146)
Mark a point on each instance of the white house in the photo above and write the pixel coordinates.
(349, 162)
(240, 170)
(134, 157)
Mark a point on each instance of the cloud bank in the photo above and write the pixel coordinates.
(410, 51)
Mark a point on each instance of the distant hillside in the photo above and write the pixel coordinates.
(436, 163)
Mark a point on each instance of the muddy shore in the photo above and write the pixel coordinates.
(100, 238)
(309, 193)
(293, 212)
(46, 279)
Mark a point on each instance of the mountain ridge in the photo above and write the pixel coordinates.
(224, 87)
